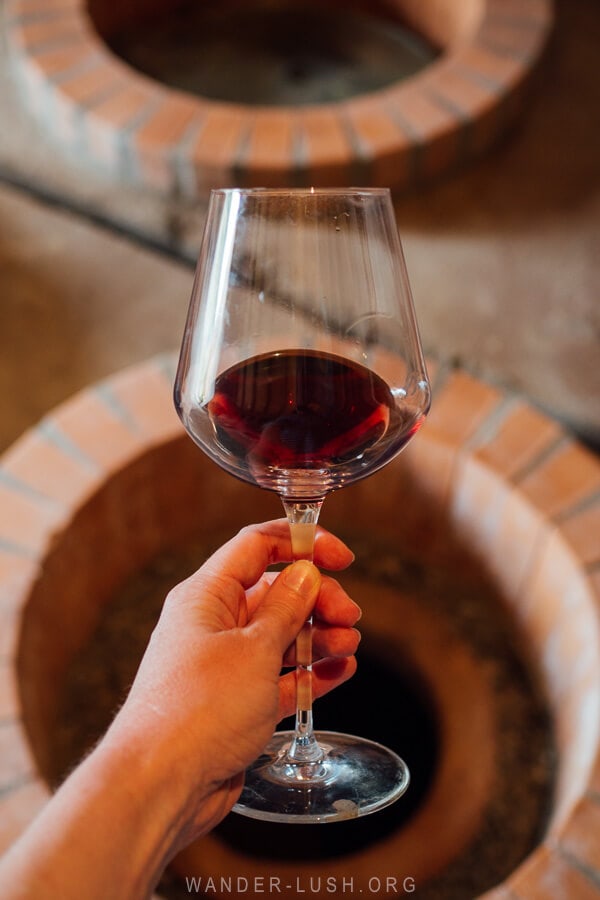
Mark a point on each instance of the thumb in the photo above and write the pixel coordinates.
(288, 602)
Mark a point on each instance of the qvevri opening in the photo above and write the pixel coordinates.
(389, 92)
(268, 56)
(435, 586)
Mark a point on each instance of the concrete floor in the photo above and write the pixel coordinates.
(504, 258)
(76, 303)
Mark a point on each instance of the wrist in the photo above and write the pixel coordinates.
(135, 813)
(118, 819)
(147, 759)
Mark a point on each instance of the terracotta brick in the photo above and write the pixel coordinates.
(423, 117)
(47, 468)
(518, 539)
(562, 623)
(475, 101)
(218, 144)
(16, 569)
(478, 499)
(38, 72)
(387, 148)
(9, 689)
(432, 126)
(107, 119)
(23, 8)
(570, 661)
(326, 153)
(432, 465)
(33, 35)
(568, 477)
(97, 80)
(460, 407)
(582, 531)
(72, 95)
(508, 38)
(169, 122)
(18, 807)
(518, 438)
(146, 397)
(17, 574)
(575, 702)
(10, 622)
(96, 431)
(430, 483)
(576, 726)
(524, 12)
(129, 102)
(269, 149)
(373, 126)
(25, 520)
(549, 876)
(48, 64)
(556, 567)
(483, 64)
(497, 893)
(154, 143)
(594, 781)
(580, 837)
(472, 99)
(557, 590)
(16, 760)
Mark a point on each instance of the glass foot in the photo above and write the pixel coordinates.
(355, 777)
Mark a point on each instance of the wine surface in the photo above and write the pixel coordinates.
(300, 410)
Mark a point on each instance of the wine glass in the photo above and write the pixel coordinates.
(301, 371)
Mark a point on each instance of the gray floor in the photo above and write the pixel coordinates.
(504, 258)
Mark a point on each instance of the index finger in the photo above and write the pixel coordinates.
(246, 556)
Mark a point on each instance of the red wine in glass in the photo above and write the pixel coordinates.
(304, 410)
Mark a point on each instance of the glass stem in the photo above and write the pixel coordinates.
(303, 517)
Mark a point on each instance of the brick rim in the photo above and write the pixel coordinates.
(402, 136)
(498, 456)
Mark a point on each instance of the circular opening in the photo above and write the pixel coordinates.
(268, 56)
(441, 615)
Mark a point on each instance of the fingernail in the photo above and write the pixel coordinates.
(302, 576)
(358, 611)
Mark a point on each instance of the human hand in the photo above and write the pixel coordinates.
(209, 690)
(203, 706)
